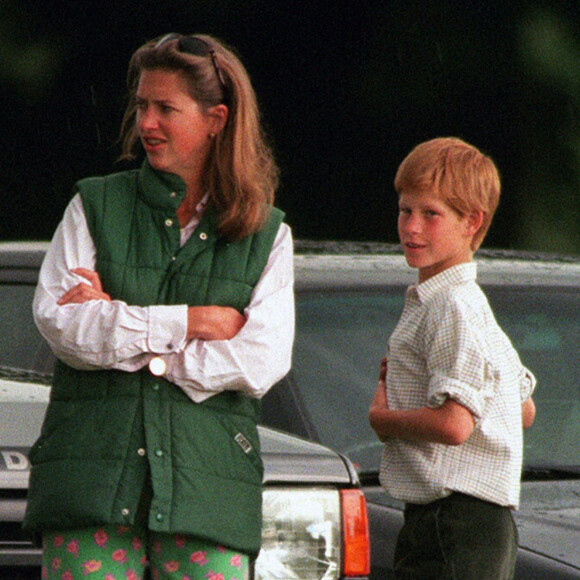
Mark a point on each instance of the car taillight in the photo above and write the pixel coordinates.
(355, 527)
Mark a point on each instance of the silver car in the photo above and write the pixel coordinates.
(315, 524)
(349, 297)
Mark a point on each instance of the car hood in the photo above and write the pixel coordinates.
(287, 459)
(549, 519)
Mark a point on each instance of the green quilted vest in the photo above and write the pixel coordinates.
(106, 432)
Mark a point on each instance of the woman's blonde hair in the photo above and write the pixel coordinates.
(457, 172)
(242, 175)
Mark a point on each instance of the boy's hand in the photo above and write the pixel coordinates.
(379, 402)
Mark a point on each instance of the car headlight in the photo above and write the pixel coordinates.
(313, 534)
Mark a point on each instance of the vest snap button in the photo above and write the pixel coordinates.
(168, 222)
(203, 236)
(125, 511)
(141, 452)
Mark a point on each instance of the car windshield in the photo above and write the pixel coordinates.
(342, 337)
(340, 340)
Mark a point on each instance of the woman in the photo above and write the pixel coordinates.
(166, 295)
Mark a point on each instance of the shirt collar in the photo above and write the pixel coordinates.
(453, 276)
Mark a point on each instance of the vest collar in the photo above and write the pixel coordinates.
(160, 190)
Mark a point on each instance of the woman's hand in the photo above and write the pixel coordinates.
(213, 322)
(84, 292)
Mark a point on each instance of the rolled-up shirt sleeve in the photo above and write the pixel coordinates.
(457, 363)
(97, 334)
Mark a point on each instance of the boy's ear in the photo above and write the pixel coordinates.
(474, 222)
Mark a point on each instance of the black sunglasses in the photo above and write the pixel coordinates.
(197, 47)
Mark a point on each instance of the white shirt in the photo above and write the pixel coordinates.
(448, 344)
(115, 335)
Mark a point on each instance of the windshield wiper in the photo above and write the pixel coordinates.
(25, 375)
(550, 472)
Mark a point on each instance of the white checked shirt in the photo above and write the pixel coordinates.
(448, 344)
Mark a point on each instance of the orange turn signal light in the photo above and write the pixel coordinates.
(355, 526)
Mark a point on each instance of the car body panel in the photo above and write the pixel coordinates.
(549, 515)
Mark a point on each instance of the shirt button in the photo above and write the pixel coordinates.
(173, 194)
(141, 452)
(159, 517)
(203, 236)
(155, 386)
(157, 366)
(159, 453)
(168, 222)
(125, 511)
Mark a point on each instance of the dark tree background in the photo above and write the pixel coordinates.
(346, 89)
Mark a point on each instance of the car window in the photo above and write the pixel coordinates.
(21, 346)
(543, 325)
(341, 338)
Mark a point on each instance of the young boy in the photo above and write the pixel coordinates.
(453, 395)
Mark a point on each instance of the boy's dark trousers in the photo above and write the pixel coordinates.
(456, 538)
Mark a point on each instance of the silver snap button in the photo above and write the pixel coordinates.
(203, 236)
(168, 222)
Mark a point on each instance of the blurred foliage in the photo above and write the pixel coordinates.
(346, 89)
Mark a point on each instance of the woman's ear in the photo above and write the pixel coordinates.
(219, 117)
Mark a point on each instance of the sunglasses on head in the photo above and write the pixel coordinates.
(197, 47)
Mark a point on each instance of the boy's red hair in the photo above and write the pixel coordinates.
(457, 172)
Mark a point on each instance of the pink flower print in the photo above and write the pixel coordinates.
(122, 530)
(132, 575)
(120, 556)
(220, 549)
(58, 541)
(101, 538)
(73, 548)
(157, 547)
(199, 558)
(67, 575)
(214, 576)
(110, 577)
(171, 566)
(180, 541)
(44, 573)
(136, 543)
(91, 566)
(55, 564)
(236, 561)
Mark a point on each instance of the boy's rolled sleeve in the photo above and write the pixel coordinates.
(457, 365)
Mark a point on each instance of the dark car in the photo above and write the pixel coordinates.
(349, 297)
(315, 523)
